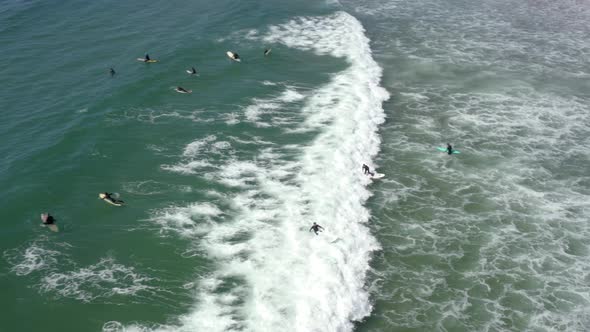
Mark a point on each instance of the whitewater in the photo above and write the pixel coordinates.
(271, 273)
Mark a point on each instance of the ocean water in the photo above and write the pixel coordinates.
(223, 184)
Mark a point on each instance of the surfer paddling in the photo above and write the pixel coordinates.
(266, 51)
(108, 197)
(316, 228)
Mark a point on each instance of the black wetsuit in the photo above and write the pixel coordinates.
(194, 71)
(449, 149)
(316, 228)
(366, 169)
(147, 58)
(107, 196)
(236, 56)
(49, 220)
(112, 72)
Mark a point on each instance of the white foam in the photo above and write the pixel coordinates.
(271, 108)
(272, 273)
(151, 187)
(101, 280)
(195, 151)
(194, 148)
(187, 221)
(189, 167)
(34, 258)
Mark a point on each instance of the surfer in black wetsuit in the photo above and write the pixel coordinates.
(316, 228)
(108, 197)
(112, 71)
(147, 58)
(193, 71)
(236, 56)
(449, 148)
(366, 169)
(266, 51)
(181, 89)
(49, 220)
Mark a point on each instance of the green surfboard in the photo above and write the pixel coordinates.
(445, 150)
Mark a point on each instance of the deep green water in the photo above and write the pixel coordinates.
(223, 184)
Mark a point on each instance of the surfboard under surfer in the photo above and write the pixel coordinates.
(316, 228)
(266, 51)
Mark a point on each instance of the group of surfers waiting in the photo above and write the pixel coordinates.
(192, 71)
(50, 220)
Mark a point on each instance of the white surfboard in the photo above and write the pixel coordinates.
(110, 201)
(376, 176)
(231, 56)
(180, 91)
(149, 61)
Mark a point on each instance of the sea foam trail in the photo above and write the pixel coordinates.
(273, 275)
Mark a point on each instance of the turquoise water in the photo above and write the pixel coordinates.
(223, 184)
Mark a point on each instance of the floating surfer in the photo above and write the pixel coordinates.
(180, 89)
(267, 51)
(107, 197)
(449, 148)
(316, 228)
(192, 71)
(112, 71)
(49, 221)
(146, 59)
(233, 56)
